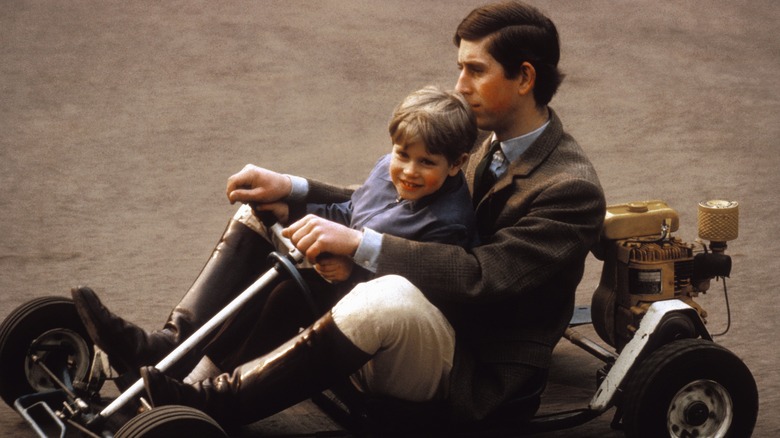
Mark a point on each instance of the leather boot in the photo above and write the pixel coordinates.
(278, 318)
(237, 260)
(311, 362)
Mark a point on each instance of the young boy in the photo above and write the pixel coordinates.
(417, 191)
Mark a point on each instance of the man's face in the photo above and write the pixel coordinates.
(416, 173)
(494, 98)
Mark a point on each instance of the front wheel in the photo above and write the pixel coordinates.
(168, 421)
(688, 388)
(44, 331)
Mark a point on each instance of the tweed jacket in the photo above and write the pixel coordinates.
(511, 297)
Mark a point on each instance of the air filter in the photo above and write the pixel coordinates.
(718, 220)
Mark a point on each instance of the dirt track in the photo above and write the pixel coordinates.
(119, 124)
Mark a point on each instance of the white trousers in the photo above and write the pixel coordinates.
(412, 342)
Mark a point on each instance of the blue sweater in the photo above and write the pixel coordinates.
(446, 216)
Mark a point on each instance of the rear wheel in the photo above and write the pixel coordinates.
(688, 388)
(168, 421)
(48, 330)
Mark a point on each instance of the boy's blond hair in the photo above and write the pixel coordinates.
(441, 119)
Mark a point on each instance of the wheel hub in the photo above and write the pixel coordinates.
(64, 352)
(696, 414)
(700, 408)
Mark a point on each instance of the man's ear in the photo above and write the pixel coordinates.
(458, 164)
(527, 78)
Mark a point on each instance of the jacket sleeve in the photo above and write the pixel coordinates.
(451, 234)
(319, 193)
(561, 225)
(323, 193)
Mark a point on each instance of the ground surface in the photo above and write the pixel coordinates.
(120, 121)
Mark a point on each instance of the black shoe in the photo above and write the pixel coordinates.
(128, 346)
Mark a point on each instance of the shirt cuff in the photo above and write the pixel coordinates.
(367, 253)
(300, 188)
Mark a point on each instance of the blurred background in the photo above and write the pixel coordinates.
(121, 121)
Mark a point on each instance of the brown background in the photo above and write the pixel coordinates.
(120, 121)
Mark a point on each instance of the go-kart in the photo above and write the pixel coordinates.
(662, 370)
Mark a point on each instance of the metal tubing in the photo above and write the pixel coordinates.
(276, 229)
(200, 334)
(591, 347)
(183, 348)
(37, 361)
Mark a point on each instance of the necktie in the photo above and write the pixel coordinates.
(484, 178)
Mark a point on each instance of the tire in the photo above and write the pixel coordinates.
(688, 388)
(171, 421)
(49, 322)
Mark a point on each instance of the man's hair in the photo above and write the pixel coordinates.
(518, 33)
(441, 119)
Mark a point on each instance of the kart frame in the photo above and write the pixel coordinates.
(61, 411)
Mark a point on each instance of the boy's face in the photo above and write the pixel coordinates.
(416, 173)
(494, 99)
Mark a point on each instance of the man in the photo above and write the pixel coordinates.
(510, 299)
(469, 328)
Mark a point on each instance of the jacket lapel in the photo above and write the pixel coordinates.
(528, 162)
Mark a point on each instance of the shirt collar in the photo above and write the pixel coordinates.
(514, 147)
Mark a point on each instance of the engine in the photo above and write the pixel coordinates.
(645, 263)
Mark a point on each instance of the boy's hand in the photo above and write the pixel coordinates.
(334, 268)
(256, 184)
(314, 235)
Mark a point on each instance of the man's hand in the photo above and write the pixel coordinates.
(314, 235)
(334, 268)
(280, 210)
(258, 185)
